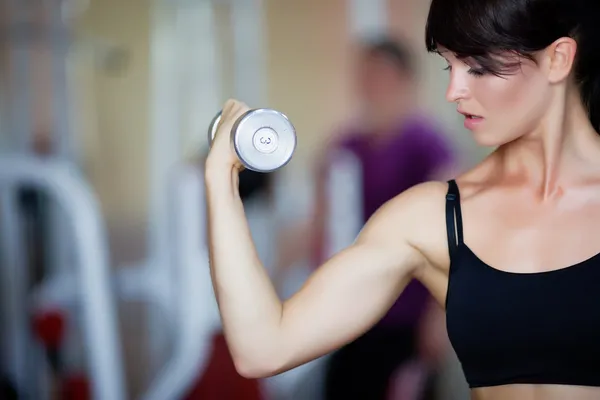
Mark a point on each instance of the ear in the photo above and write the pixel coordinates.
(561, 57)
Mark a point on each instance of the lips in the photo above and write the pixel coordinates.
(469, 115)
(472, 121)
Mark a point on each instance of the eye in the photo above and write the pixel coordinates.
(476, 72)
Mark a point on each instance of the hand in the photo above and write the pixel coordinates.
(222, 155)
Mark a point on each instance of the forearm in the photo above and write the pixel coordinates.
(249, 306)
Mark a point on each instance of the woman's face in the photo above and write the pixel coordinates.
(497, 109)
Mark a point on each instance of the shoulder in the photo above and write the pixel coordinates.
(418, 215)
(415, 216)
(413, 202)
(420, 197)
(418, 204)
(412, 225)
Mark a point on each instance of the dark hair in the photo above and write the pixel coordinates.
(393, 50)
(482, 30)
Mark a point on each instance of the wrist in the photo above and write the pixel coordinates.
(220, 173)
(214, 165)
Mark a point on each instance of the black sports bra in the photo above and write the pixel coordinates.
(509, 328)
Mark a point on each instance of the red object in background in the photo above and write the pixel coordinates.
(49, 327)
(221, 381)
(75, 387)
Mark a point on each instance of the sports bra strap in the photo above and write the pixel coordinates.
(453, 217)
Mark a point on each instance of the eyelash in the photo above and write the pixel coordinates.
(474, 72)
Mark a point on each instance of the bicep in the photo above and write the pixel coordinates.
(349, 293)
(342, 300)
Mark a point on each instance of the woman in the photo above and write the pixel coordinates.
(513, 256)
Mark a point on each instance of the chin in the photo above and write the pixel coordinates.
(490, 139)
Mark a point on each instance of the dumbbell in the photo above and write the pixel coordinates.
(264, 139)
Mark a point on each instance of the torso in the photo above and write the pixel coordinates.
(510, 232)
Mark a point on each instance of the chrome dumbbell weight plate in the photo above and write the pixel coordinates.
(264, 139)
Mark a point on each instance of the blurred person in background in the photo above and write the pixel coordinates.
(397, 148)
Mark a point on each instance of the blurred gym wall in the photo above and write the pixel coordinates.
(117, 107)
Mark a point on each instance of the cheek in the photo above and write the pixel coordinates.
(516, 100)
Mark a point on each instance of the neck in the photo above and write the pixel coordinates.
(556, 152)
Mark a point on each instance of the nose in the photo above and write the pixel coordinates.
(457, 88)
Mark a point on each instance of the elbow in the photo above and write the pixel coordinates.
(253, 372)
(256, 367)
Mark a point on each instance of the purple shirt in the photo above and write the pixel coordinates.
(406, 157)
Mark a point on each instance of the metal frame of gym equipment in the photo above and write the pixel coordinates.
(183, 294)
(180, 296)
(65, 185)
